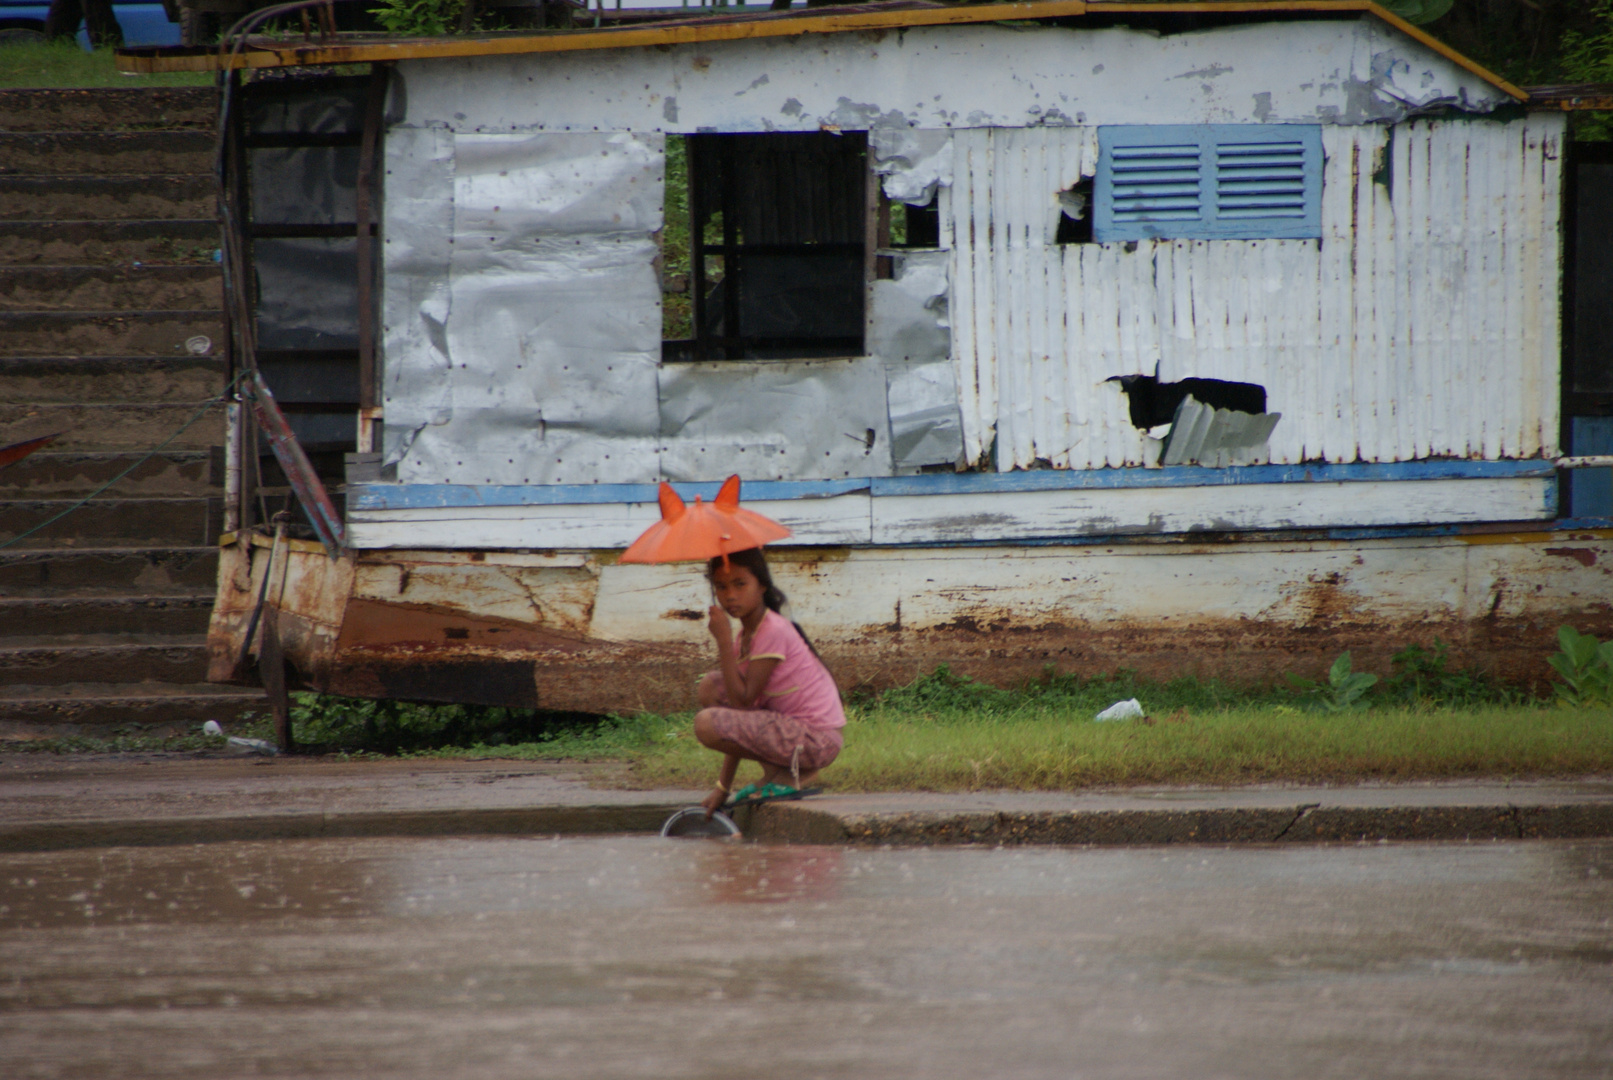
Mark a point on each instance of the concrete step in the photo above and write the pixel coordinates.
(106, 709)
(105, 153)
(65, 380)
(194, 108)
(109, 333)
(113, 523)
(120, 287)
(115, 428)
(188, 241)
(174, 661)
(89, 572)
(74, 198)
(172, 474)
(100, 619)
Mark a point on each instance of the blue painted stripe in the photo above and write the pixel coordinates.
(445, 496)
(1194, 476)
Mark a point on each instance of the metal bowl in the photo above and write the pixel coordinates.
(693, 822)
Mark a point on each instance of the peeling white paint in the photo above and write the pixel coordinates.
(1327, 71)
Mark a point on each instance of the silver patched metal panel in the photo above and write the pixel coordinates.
(554, 328)
(774, 419)
(912, 162)
(908, 330)
(417, 232)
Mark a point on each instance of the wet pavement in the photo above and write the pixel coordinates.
(51, 803)
(640, 957)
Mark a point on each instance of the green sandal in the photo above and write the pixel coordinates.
(770, 793)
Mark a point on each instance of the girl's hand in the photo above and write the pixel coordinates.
(720, 627)
(714, 801)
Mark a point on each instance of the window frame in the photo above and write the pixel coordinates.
(702, 345)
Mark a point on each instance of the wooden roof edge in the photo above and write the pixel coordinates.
(785, 24)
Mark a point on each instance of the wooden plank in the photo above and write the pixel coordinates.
(843, 519)
(999, 516)
(1057, 514)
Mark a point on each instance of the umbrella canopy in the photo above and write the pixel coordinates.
(18, 451)
(702, 531)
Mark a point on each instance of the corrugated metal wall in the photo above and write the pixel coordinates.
(1424, 324)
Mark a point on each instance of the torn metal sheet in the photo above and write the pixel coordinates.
(554, 324)
(912, 162)
(1204, 435)
(774, 420)
(417, 231)
(909, 331)
(1330, 71)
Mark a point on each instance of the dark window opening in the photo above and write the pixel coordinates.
(778, 241)
(1075, 217)
(1587, 382)
(915, 226)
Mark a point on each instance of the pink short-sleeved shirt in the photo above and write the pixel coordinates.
(800, 685)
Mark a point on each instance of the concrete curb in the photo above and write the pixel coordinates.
(538, 820)
(1307, 823)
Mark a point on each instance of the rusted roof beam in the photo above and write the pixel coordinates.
(1586, 96)
(264, 52)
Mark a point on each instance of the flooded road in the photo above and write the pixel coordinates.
(642, 957)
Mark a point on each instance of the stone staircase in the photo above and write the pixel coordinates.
(107, 235)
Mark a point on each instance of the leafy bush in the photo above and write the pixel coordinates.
(1588, 58)
(1586, 666)
(420, 18)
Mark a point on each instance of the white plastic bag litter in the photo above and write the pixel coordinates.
(1130, 709)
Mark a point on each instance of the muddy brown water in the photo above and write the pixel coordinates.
(643, 957)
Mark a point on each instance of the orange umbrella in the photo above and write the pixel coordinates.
(702, 531)
(18, 451)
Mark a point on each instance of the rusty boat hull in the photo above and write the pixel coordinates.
(578, 630)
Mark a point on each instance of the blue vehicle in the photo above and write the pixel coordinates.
(144, 22)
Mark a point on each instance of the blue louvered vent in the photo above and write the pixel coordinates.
(1260, 179)
(1157, 183)
(1216, 181)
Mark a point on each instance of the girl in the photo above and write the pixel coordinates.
(771, 701)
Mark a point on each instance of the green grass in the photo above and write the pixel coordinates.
(948, 733)
(39, 64)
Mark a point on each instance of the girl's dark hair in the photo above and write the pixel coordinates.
(753, 560)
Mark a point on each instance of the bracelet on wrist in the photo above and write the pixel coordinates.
(724, 788)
